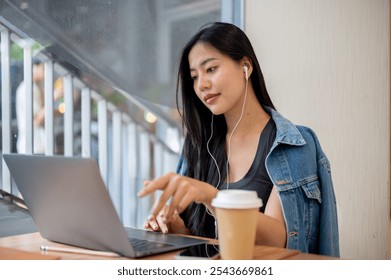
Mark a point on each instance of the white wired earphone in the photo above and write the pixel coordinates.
(245, 68)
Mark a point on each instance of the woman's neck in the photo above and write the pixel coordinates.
(253, 118)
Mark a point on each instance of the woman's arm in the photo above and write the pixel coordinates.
(184, 190)
(39, 117)
(271, 228)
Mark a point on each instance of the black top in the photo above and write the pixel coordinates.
(256, 179)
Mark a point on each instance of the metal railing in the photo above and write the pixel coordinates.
(126, 150)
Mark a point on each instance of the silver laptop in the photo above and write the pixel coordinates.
(69, 204)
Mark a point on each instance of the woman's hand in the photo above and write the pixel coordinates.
(176, 224)
(181, 190)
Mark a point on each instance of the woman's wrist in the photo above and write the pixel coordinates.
(211, 195)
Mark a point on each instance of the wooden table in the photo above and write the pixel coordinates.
(27, 246)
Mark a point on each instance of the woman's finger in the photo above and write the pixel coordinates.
(157, 184)
(161, 202)
(186, 200)
(160, 220)
(153, 223)
(181, 191)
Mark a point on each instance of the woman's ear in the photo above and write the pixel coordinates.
(247, 67)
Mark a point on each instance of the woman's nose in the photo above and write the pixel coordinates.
(203, 83)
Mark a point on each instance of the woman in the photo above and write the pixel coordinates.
(235, 139)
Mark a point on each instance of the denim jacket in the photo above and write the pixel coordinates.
(301, 173)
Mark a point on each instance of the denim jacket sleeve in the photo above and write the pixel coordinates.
(301, 173)
(328, 225)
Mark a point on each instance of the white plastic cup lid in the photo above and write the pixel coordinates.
(237, 199)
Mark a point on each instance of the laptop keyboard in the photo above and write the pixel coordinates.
(146, 245)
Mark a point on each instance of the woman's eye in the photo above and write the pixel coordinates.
(194, 78)
(210, 69)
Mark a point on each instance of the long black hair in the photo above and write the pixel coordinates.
(231, 41)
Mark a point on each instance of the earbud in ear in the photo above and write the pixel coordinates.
(246, 71)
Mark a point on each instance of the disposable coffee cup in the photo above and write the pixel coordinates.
(236, 214)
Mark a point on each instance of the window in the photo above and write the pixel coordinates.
(128, 52)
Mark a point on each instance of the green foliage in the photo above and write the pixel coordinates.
(16, 52)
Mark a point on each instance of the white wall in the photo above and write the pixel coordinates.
(326, 65)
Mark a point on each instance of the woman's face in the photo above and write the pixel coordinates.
(218, 81)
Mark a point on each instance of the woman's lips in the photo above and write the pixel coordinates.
(210, 97)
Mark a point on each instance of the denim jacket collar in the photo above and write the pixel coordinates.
(287, 132)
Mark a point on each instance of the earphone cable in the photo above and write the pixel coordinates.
(232, 132)
(214, 159)
(215, 162)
